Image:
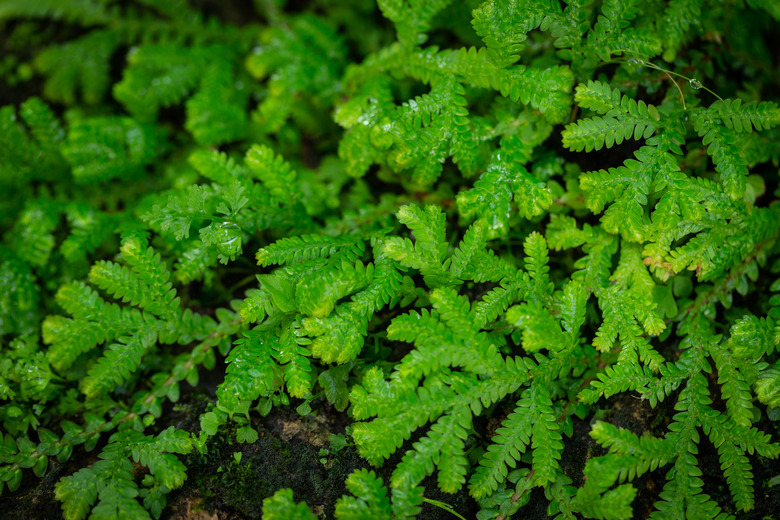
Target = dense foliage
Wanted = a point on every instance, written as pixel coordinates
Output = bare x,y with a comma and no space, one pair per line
428,214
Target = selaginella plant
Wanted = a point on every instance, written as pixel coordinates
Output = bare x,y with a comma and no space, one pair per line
504,211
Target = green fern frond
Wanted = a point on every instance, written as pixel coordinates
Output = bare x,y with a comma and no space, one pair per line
216,166
275,173
339,336
196,263
88,230
302,60
623,118
103,148
628,186
734,389
216,114
118,364
411,17
294,250
95,321
519,83
491,197
545,431
281,506
503,26
109,484
18,304
616,379
678,26
144,284
32,236
744,118
82,12
498,300
446,338
503,183
443,447
30,144
81,65
650,453
536,265
370,500
430,246
767,386
250,373
161,75
718,126
506,447
317,293
752,338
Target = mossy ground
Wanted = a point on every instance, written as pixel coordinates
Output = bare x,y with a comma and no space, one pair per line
287,455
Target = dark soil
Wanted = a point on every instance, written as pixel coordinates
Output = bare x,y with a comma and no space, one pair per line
287,455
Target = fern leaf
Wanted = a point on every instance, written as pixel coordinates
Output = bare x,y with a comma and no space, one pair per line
32,235
650,452
294,250
281,506
18,303
473,241
370,500
623,118
89,229
79,65
145,284
545,430
30,147
216,114
296,367
216,166
495,302
752,338
104,148
339,336
275,173
119,363
536,265
428,228
521,83
744,118
411,18
195,263
442,447
734,388
768,387
77,492
430,247
159,76
83,12
616,379
303,60
505,449
316,294
157,453
502,184
572,305
251,372
678,17
491,197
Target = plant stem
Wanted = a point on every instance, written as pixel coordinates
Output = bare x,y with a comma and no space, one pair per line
444,506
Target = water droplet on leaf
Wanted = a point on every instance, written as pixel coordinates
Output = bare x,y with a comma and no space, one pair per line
695,84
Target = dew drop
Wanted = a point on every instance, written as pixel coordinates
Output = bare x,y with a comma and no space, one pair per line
695,84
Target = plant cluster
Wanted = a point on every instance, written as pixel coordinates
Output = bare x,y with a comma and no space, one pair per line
429,217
